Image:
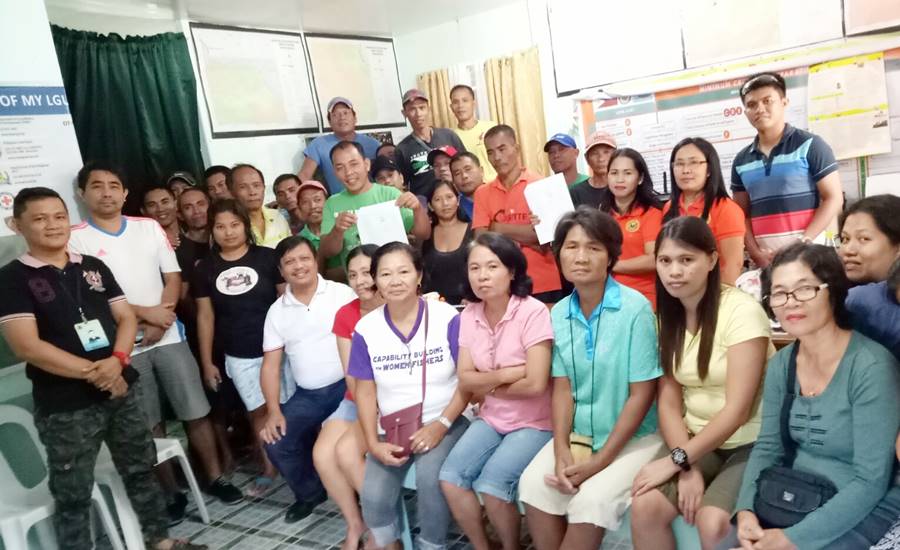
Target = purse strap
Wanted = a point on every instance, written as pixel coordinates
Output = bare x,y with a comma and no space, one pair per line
790,449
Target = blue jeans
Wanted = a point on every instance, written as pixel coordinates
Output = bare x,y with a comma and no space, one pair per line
490,462
381,494
292,454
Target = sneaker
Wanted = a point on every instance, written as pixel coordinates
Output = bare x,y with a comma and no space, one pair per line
225,491
176,508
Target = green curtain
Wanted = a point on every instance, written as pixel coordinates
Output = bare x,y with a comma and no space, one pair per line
133,101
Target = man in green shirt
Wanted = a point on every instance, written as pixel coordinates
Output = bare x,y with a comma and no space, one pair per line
562,154
339,233
311,197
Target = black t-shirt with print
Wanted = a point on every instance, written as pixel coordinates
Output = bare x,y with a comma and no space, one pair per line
411,157
241,292
32,289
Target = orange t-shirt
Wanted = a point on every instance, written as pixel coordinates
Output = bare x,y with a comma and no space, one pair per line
726,219
639,227
495,203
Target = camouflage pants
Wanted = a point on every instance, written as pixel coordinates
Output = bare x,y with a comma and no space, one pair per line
73,441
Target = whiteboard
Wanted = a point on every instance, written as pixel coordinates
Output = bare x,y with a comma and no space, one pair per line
254,82
599,42
870,15
362,69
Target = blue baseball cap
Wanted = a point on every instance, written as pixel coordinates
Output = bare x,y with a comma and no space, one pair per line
563,139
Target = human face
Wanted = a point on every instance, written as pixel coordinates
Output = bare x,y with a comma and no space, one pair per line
286,194
561,158
442,168
44,224
386,151
623,178
444,203
217,188
228,231
192,209
467,175
342,119
503,153
684,270
764,108
160,205
298,267
690,169
598,159
311,203
867,253
463,105
359,277
104,194
418,113
352,169
391,178
800,318
488,276
397,278
248,188
584,260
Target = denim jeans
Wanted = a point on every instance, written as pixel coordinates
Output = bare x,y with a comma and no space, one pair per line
304,413
381,494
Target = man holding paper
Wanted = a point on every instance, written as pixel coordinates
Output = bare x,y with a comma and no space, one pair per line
500,206
339,231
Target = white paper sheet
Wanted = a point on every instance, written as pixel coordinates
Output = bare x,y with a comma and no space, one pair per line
380,224
548,199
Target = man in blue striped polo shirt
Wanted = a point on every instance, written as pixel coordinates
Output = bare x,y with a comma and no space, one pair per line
787,180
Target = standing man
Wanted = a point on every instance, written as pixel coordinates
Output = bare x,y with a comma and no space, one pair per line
600,147
247,185
159,204
562,154
469,129
216,178
787,180
192,205
144,264
500,206
468,176
285,189
412,151
342,119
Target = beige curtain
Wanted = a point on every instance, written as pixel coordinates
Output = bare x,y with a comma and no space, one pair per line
515,98
436,86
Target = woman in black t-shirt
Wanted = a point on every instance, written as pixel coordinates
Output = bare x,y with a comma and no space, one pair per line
234,287
445,252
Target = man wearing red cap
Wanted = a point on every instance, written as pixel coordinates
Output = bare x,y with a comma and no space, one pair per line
439,159
310,202
600,147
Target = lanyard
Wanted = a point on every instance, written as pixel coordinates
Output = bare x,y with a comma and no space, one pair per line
596,340
77,298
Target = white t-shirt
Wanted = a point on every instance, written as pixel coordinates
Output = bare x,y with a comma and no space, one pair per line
138,254
304,331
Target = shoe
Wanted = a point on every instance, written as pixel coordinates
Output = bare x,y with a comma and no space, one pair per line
187,545
176,509
303,508
225,491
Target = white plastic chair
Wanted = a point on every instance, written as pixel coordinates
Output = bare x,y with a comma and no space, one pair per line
22,507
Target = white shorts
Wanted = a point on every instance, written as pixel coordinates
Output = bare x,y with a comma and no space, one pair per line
245,375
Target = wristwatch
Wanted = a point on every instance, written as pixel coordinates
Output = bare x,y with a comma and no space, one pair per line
680,458
124,358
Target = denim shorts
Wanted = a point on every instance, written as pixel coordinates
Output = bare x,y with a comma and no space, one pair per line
346,411
490,462
245,375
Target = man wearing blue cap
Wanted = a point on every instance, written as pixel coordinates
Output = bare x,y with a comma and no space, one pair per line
562,154
342,119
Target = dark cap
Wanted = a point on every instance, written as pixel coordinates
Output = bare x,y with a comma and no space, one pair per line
186,177
382,163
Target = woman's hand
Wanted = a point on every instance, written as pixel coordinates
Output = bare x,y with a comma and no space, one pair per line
558,480
748,529
774,539
384,453
690,493
427,437
653,475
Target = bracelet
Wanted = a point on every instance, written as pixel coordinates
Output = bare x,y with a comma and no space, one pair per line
445,421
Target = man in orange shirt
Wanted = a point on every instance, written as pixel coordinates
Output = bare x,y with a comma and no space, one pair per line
500,206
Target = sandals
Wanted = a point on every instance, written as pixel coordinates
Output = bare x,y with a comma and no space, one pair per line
261,487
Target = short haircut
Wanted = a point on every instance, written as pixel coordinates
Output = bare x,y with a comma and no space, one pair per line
156,187
201,190
893,278
289,243
414,255
762,80
84,175
463,87
885,211
465,155
282,178
345,145
382,146
825,264
510,255
367,250
31,194
599,226
500,129
216,169
229,177
233,207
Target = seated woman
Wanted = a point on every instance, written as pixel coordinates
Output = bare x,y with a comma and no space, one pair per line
844,416
505,338
400,351
444,254
713,346
605,366
699,190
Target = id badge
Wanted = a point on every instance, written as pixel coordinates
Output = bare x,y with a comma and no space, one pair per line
91,335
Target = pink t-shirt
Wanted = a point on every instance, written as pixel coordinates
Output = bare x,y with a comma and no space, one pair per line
526,323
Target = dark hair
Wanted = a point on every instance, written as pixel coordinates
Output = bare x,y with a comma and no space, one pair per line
463,87
644,195
344,145
216,169
714,186
695,233
762,80
893,278
500,129
383,145
599,226
229,177
30,194
884,209
289,243
465,155
100,166
367,250
396,246
156,187
460,215
825,264
190,189
233,207
510,255
282,178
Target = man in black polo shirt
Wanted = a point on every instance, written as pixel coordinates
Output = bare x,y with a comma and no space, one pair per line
66,316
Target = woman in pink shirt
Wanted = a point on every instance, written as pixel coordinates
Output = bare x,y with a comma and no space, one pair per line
505,340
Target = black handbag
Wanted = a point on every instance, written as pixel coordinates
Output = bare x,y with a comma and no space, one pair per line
784,496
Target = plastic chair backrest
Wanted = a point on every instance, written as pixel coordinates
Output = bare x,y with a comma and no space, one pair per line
14,491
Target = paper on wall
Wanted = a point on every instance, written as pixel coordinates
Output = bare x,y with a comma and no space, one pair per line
380,224
548,199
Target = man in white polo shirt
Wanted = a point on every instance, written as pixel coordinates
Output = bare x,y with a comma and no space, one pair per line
143,261
298,326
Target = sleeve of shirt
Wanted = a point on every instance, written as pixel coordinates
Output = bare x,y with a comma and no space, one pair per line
737,184
272,338
466,329
342,326
481,215
312,151
327,217
273,266
557,366
114,292
360,365
453,337
746,320
200,283
16,302
651,224
821,159
168,263
537,327
729,219
643,359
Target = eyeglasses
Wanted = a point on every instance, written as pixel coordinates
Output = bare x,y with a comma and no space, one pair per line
800,294
690,165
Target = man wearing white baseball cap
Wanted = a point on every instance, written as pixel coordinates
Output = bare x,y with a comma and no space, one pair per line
600,146
342,118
